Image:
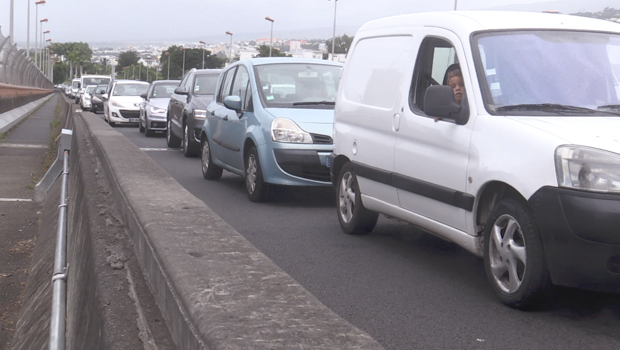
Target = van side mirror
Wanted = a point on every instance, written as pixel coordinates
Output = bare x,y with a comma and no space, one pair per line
143,95
104,97
439,102
233,102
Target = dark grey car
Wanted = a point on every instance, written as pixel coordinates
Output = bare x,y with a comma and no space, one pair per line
187,109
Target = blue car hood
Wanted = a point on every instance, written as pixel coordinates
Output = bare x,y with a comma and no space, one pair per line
304,117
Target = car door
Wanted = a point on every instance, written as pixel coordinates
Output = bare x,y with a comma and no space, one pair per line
431,155
216,115
176,105
233,124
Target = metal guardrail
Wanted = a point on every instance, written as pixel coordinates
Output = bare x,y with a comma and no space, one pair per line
57,340
17,69
59,280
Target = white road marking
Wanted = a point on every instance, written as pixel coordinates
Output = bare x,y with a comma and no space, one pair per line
15,200
18,145
157,149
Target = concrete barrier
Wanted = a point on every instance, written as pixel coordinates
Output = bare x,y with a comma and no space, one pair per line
214,289
11,118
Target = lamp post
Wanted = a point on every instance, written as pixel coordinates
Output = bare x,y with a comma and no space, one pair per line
47,57
230,47
271,37
183,69
334,34
12,10
42,45
203,53
455,4
168,54
36,31
41,36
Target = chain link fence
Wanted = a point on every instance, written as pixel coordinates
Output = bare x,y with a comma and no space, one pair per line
21,81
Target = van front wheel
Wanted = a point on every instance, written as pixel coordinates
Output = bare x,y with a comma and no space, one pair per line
353,217
513,255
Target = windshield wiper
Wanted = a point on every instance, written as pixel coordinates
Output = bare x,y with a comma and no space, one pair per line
314,103
609,108
545,107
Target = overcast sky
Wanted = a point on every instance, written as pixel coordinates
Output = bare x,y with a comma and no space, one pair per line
169,20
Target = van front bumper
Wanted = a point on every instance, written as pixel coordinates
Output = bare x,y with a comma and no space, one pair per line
581,237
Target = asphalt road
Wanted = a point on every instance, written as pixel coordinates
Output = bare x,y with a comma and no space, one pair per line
406,288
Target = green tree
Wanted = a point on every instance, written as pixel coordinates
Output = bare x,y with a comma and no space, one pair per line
181,60
61,72
343,43
263,51
126,59
77,54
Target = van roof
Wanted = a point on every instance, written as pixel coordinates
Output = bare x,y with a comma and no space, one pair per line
473,21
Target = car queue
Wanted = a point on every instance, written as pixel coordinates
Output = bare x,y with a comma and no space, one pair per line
502,171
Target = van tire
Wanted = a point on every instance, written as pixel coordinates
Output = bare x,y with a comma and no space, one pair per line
353,217
514,259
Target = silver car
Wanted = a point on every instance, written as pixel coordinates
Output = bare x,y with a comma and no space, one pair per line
153,109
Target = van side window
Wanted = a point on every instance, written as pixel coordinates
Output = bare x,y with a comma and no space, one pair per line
377,65
435,58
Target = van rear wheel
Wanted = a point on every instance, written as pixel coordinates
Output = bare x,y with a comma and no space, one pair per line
353,217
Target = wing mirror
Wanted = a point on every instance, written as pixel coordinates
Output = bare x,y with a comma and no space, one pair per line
181,91
439,102
233,102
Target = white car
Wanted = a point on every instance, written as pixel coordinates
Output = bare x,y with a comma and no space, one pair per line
524,171
85,101
122,101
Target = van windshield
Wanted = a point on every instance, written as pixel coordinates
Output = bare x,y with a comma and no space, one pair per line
549,72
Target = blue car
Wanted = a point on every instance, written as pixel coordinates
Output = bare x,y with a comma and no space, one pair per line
271,121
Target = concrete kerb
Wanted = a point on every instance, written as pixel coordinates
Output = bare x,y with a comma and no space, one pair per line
13,117
214,288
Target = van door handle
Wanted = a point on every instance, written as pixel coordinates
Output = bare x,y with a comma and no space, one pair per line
396,122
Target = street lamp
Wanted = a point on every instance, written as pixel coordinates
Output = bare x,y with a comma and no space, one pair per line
230,47
168,54
47,57
36,31
204,49
41,36
455,4
271,37
42,44
334,34
12,11
183,69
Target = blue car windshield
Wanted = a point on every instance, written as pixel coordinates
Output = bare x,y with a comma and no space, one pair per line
549,72
298,85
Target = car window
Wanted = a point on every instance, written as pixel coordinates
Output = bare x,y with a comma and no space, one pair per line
130,89
163,90
289,85
241,86
436,59
205,84
226,85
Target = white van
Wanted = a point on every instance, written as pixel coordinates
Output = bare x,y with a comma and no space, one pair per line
75,87
524,172
90,79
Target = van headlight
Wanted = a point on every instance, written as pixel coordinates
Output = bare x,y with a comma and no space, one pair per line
589,169
285,130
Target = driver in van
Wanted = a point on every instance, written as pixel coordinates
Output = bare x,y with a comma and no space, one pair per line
455,81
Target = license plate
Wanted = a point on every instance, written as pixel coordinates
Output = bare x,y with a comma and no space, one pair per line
133,120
